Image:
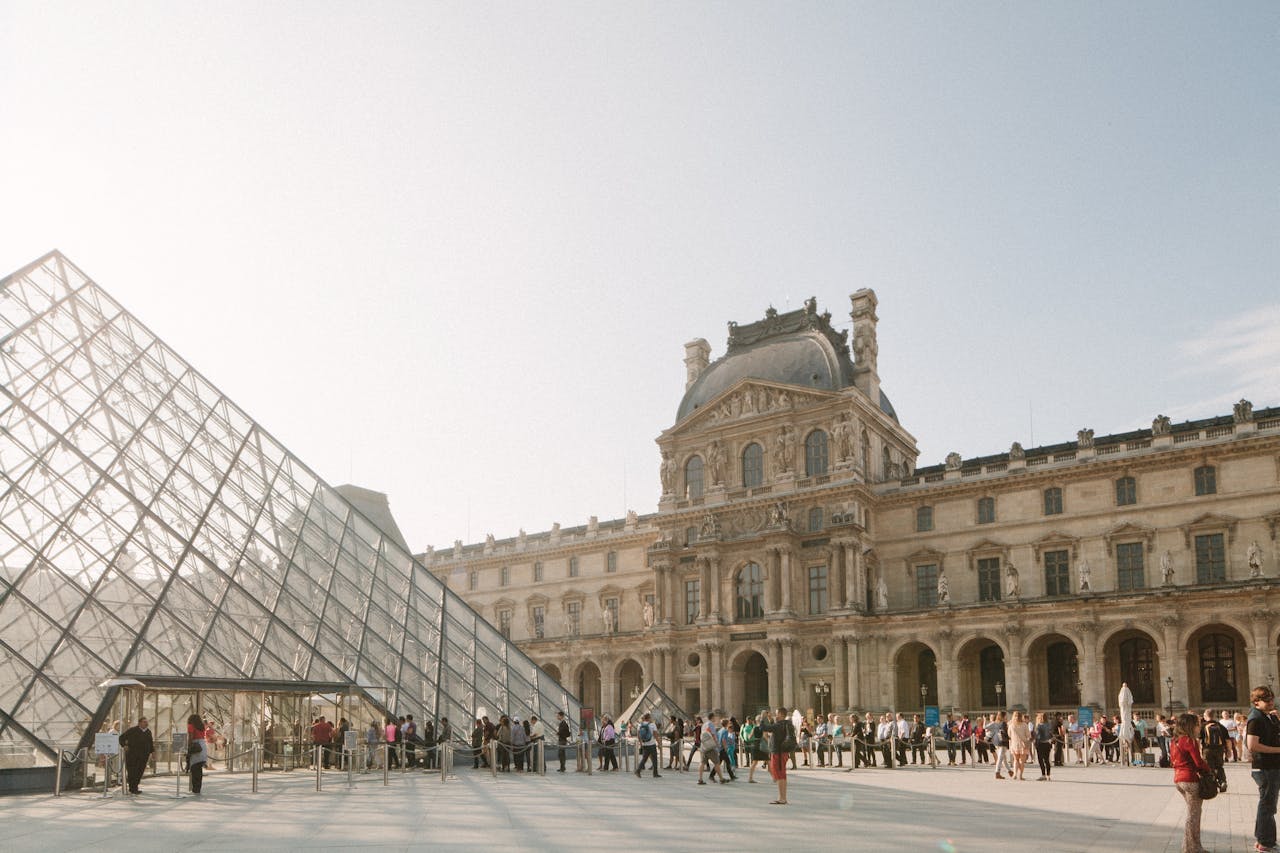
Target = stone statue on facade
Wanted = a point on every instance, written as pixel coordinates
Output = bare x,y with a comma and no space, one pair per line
1012,584
882,594
457,547
1166,568
489,543
715,461
1085,572
778,514
710,527
522,538
646,613
842,437
632,519
1161,425
1242,412
784,450
609,620
944,589
1255,560
668,472
953,461
1016,451
1084,438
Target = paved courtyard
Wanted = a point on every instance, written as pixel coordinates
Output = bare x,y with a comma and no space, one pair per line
948,809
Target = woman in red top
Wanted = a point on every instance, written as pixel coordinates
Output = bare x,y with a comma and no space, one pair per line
1184,754
197,751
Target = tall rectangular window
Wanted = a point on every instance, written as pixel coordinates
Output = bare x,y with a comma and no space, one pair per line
924,519
574,610
504,623
537,571
989,579
986,510
1053,501
539,622
1057,573
573,567
927,585
1206,480
817,590
1130,571
473,581
692,595
611,562
611,604
1126,491
1211,559
504,576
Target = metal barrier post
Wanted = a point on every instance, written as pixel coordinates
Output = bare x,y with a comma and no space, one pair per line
386,764
316,752
442,758
493,759
400,757
351,768
257,762
586,745
57,776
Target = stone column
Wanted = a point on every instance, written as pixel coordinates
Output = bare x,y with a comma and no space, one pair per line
946,666
787,650
839,590
1016,689
839,682
857,564
770,596
704,676
1260,661
784,576
666,594
1092,674
775,673
609,693
713,570
854,673
717,676
669,672
1172,662
704,597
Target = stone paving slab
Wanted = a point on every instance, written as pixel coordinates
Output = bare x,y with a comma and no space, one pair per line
953,810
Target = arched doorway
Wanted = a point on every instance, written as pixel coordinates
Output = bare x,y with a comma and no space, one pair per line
587,685
981,671
755,684
1130,658
1053,674
917,667
630,683
1217,667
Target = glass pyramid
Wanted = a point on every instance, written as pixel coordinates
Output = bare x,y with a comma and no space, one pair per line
149,527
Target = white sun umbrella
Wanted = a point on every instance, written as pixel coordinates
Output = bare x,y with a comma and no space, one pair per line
1126,714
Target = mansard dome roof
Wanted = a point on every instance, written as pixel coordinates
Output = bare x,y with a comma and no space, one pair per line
796,348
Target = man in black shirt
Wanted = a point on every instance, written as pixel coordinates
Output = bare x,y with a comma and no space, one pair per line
562,737
1262,738
1213,740
138,746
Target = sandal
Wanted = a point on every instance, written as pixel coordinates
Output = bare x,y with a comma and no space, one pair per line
778,803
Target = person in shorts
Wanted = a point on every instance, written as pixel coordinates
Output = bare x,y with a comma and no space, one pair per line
783,734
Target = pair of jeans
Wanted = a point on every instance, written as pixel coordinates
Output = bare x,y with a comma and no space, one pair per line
1264,825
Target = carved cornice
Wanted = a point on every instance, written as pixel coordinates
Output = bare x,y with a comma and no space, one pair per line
1209,522
922,557
1056,541
1130,530
986,548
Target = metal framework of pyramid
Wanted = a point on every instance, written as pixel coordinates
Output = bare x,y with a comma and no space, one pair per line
654,700
149,527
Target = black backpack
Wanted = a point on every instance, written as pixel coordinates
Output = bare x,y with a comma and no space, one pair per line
1213,738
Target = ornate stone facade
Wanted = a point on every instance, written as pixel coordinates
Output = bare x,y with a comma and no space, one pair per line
798,556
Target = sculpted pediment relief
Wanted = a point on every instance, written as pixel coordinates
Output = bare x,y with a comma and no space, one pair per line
750,399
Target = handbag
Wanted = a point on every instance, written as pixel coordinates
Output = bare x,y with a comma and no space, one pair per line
1208,786
193,748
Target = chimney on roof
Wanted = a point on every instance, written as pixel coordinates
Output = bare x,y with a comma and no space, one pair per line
865,348
697,355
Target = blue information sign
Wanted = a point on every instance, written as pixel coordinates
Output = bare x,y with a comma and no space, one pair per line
930,715
1085,716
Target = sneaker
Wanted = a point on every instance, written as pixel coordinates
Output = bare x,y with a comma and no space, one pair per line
700,782
657,775
999,776
637,774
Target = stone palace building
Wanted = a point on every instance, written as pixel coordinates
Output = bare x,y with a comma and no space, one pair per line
800,557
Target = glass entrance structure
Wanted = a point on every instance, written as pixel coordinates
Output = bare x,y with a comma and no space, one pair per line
151,531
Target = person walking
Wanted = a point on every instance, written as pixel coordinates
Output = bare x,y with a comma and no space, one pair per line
675,735
1019,744
504,743
1262,740
647,734
1044,736
998,732
709,746
197,751
608,746
520,744
1213,742
1188,764
138,745
477,746
537,742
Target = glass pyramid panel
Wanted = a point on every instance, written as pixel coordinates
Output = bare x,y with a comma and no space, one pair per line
150,528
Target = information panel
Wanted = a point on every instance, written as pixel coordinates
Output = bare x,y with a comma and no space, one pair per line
930,715
106,743
1085,716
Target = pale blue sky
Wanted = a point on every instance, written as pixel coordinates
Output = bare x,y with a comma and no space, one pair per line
452,251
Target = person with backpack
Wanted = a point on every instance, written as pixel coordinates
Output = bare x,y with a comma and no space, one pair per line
724,737
709,746
1213,740
647,734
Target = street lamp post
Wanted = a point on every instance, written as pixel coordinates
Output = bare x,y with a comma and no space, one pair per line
1168,682
1079,692
1000,694
823,689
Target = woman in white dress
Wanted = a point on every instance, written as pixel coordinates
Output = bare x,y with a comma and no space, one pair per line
1019,743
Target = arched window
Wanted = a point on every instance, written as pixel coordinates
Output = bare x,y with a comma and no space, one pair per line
1063,671
752,466
886,463
991,671
815,453
693,477
1137,668
866,455
750,593
1217,668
